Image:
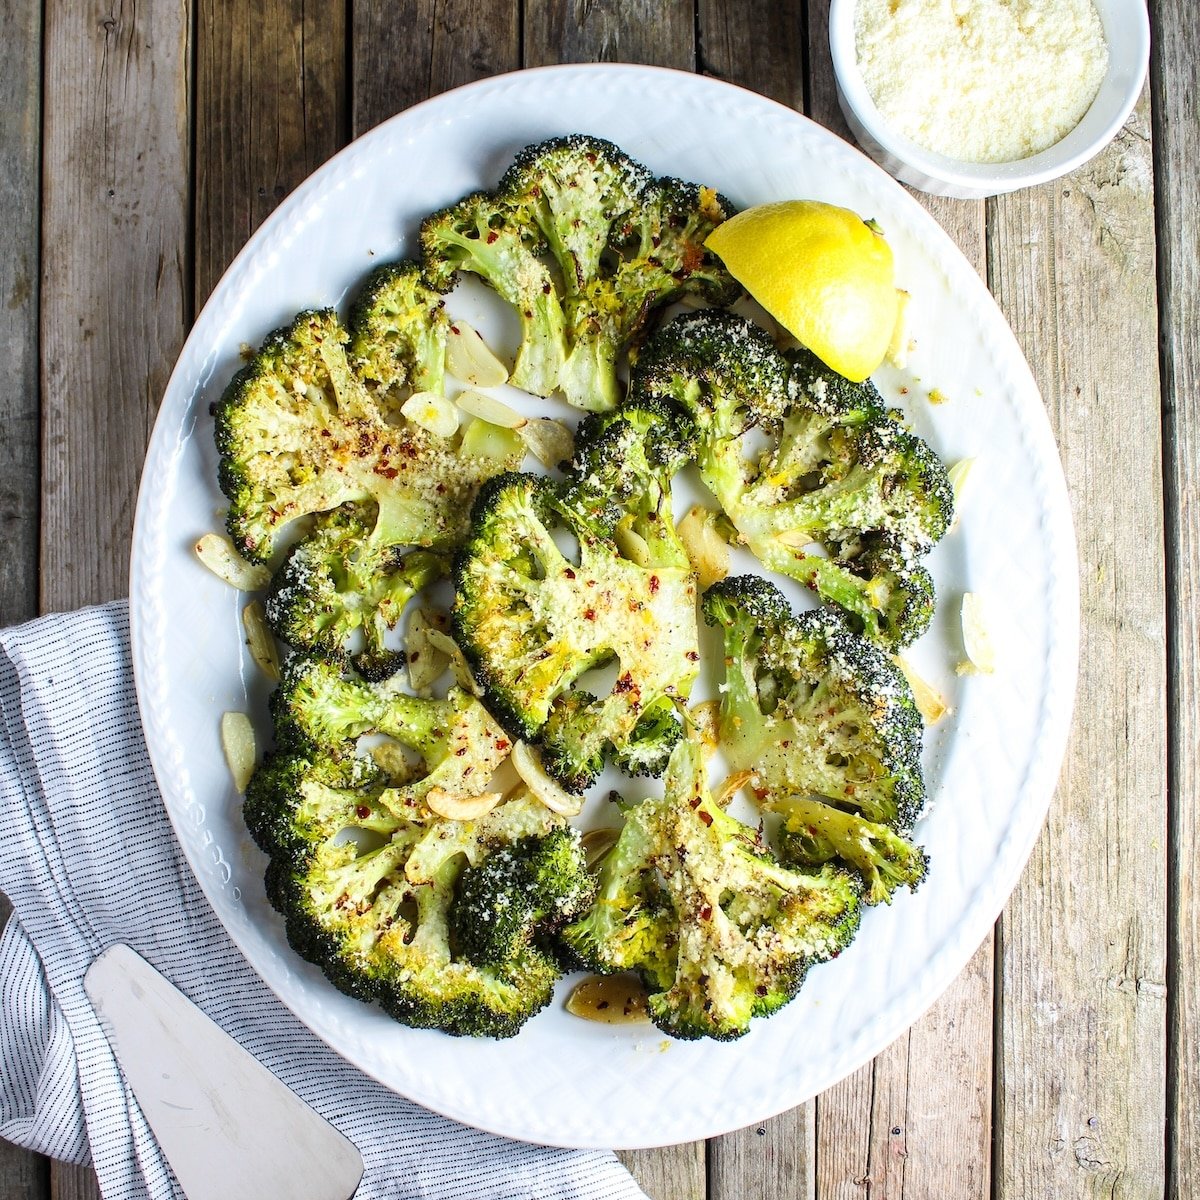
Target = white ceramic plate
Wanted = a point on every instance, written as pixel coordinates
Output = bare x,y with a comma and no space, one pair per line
991,766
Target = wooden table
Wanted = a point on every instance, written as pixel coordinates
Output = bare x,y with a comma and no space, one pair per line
141,144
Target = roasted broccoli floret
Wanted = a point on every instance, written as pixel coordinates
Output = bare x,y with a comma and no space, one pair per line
398,330
577,189
321,712
664,249
619,479
842,498
623,243
532,621
816,832
825,720
693,901
300,433
488,235
518,896
367,886
338,581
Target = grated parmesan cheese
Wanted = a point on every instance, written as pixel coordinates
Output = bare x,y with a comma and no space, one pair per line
981,80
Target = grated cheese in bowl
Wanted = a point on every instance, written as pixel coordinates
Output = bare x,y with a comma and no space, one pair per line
983,81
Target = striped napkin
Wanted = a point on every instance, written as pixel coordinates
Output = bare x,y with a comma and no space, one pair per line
88,858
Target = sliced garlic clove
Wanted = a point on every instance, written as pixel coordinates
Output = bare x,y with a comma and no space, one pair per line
431,411
488,408
977,638
259,639
240,747
469,358
459,666
461,808
549,441
609,999
425,661
705,547
632,545
217,553
549,791
931,704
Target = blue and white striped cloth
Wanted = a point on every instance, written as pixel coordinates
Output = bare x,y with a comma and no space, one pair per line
88,858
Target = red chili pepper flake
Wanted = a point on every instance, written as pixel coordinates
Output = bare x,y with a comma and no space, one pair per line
455,329
623,684
692,656
460,752
706,913
589,614
653,584
492,236
501,744
362,812
706,817
545,289
569,573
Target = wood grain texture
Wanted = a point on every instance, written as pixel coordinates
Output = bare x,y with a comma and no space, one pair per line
914,1122
756,44
114,274
1080,1085
20,142
23,1176
114,297
271,106
660,33
408,50
1176,150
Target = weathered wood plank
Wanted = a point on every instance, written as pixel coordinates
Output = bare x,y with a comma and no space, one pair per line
660,33
20,138
73,1183
914,1122
1176,148
271,106
934,1084
407,51
23,1176
1082,946
757,44
114,275
114,296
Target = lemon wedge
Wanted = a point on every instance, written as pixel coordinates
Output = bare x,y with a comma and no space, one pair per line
822,272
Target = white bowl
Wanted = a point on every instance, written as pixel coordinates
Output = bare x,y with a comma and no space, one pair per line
1127,32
